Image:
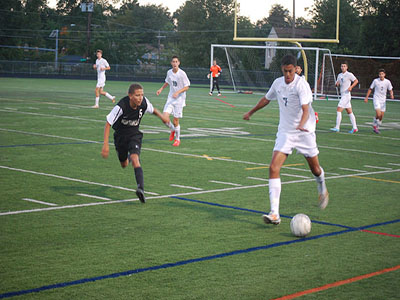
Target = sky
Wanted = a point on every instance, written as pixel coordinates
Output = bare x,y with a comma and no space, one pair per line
254,9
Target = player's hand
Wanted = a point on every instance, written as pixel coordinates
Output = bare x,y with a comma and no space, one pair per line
302,129
349,89
246,116
208,76
158,92
175,95
105,151
366,100
94,67
217,75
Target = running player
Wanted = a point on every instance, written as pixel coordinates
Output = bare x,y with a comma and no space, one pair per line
296,130
347,81
380,86
215,71
178,83
101,66
125,119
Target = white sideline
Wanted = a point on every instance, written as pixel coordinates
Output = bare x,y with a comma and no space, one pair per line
189,193
40,202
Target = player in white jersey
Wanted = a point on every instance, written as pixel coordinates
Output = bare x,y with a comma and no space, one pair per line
178,83
101,66
296,130
380,86
347,81
299,71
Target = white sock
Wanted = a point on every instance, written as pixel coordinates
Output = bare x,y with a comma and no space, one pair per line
338,119
178,132
170,126
353,120
109,96
274,194
375,122
321,186
97,101
379,122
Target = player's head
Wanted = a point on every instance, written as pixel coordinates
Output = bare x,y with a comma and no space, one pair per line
135,94
214,62
382,74
99,53
175,62
298,70
288,65
344,66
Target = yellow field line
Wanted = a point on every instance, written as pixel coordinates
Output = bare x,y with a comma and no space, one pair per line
376,179
266,167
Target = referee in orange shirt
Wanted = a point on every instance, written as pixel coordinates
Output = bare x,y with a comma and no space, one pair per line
215,71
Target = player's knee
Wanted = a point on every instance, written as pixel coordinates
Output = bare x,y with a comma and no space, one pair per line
125,163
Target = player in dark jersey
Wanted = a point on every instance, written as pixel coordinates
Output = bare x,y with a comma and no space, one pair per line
125,119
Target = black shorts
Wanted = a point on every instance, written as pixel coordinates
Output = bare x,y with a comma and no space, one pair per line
125,144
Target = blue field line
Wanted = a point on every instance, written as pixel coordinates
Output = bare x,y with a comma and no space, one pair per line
48,144
256,211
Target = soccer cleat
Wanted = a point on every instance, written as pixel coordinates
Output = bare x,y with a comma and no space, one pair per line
354,130
219,94
323,200
334,129
113,99
210,93
95,106
316,117
376,130
271,219
171,136
176,143
140,194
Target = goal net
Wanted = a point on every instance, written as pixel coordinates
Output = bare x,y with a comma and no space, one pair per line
365,68
248,69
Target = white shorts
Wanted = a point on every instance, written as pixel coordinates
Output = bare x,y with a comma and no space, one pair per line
345,100
304,142
379,104
100,83
174,108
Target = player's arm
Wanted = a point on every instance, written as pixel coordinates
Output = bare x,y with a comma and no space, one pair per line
177,93
161,89
106,68
106,149
261,104
304,117
368,93
391,94
355,82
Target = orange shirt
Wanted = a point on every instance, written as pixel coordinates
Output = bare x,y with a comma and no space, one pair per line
215,70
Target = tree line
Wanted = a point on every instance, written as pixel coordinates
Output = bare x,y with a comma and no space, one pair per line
126,30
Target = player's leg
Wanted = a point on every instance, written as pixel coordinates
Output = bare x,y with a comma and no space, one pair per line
97,99
352,120
135,144
122,150
319,174
274,186
104,93
177,132
338,119
217,86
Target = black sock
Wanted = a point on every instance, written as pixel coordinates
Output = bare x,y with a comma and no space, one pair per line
139,177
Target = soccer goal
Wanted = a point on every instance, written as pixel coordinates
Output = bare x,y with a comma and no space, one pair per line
248,69
365,68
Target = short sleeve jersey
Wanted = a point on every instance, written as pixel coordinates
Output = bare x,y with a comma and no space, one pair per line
101,63
345,80
290,99
125,120
215,70
380,88
177,81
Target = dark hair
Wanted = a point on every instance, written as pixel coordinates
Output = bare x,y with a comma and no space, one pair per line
175,56
134,87
345,63
98,50
289,60
381,70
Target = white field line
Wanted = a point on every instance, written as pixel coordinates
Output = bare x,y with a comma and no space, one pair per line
186,187
72,179
257,178
189,193
292,175
353,170
94,197
223,182
393,164
376,167
40,202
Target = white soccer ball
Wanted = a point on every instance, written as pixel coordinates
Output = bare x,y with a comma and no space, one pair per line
300,225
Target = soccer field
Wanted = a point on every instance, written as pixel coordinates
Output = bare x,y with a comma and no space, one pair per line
71,226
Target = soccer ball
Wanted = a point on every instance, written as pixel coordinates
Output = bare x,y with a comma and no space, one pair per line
300,225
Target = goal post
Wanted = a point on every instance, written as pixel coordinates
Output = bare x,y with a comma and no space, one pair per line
254,68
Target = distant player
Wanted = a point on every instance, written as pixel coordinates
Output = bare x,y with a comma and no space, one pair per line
101,66
296,130
299,71
178,83
215,71
347,81
125,119
380,86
